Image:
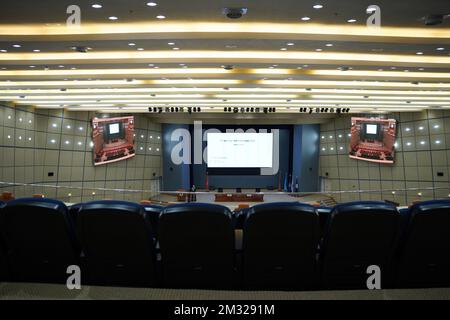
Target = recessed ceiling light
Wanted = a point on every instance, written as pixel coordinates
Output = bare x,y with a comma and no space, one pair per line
329,45
306,18
3,50
131,44
171,43
317,6
176,48
283,49
36,50
151,65
419,53
113,18
440,49
160,17
140,49
17,46
319,49
421,69
152,4
351,20
290,44
182,64
32,66
96,6
61,66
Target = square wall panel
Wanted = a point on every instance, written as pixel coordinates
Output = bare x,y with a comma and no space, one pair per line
9,119
51,157
436,126
41,123
54,125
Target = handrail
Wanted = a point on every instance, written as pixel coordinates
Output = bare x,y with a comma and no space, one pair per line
393,191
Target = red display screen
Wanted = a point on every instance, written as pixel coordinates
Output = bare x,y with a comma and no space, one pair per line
373,139
113,139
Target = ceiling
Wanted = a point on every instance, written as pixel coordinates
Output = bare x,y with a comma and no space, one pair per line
283,54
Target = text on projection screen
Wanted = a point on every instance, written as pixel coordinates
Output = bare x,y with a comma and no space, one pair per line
239,150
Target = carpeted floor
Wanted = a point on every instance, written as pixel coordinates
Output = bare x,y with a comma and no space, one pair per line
15,291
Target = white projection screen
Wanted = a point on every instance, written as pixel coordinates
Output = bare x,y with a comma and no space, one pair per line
239,150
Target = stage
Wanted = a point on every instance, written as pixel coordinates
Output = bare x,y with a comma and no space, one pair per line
268,196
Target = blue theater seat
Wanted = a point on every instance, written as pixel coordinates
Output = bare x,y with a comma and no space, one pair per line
3,264
197,246
153,211
357,235
324,215
73,211
424,252
117,241
40,240
280,246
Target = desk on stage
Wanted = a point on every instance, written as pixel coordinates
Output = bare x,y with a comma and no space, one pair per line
238,197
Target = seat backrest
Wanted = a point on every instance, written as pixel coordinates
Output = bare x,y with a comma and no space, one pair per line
358,235
117,241
280,245
197,246
153,211
423,259
3,264
40,239
324,215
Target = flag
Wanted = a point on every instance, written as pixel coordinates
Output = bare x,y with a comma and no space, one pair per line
285,189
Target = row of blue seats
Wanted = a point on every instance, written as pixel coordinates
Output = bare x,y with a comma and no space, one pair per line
192,245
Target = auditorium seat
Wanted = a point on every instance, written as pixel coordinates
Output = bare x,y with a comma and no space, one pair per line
357,235
40,239
197,246
153,211
73,212
324,215
3,264
116,237
280,246
424,259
